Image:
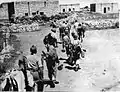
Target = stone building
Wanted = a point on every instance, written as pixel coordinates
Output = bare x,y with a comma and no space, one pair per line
4,11
69,7
28,8
48,7
104,7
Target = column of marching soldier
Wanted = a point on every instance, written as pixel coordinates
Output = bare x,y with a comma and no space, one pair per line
71,36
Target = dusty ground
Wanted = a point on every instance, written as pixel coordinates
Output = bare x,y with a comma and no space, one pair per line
99,69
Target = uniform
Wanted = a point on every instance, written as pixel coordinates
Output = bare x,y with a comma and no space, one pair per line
54,37
51,61
35,65
66,42
50,39
76,50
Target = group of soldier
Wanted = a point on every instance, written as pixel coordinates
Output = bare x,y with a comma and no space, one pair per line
71,36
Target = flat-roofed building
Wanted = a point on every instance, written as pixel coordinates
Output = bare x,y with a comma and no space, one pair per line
104,7
28,8
69,7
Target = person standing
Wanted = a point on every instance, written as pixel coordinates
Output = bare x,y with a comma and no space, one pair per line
35,64
51,62
54,36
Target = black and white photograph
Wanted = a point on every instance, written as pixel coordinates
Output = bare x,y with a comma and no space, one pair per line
59,45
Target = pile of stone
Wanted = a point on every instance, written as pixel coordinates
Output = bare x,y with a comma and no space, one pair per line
18,28
30,19
96,16
102,24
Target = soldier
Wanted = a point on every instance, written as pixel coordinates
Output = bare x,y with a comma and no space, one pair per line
51,62
35,64
66,42
76,24
51,38
62,30
76,49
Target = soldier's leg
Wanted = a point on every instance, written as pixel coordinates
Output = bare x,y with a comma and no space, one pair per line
40,86
40,71
50,73
83,33
54,72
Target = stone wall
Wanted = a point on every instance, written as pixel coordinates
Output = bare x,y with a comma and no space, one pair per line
3,11
49,7
20,8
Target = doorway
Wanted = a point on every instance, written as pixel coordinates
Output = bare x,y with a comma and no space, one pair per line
63,10
11,11
105,10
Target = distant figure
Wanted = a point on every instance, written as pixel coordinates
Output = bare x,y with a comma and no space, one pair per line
66,43
76,24
81,32
53,24
62,30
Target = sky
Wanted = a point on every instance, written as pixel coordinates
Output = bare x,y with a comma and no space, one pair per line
82,2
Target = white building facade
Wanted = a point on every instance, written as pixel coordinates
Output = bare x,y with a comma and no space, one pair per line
69,7
104,7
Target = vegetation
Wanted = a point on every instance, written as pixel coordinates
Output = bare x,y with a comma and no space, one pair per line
9,62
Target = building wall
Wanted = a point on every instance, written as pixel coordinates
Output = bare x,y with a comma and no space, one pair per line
49,8
21,8
72,7
110,7
4,11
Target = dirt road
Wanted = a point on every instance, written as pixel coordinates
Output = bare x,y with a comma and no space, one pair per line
99,69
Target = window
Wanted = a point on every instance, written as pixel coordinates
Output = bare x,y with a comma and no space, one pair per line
26,14
104,9
108,8
41,13
69,9
63,10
